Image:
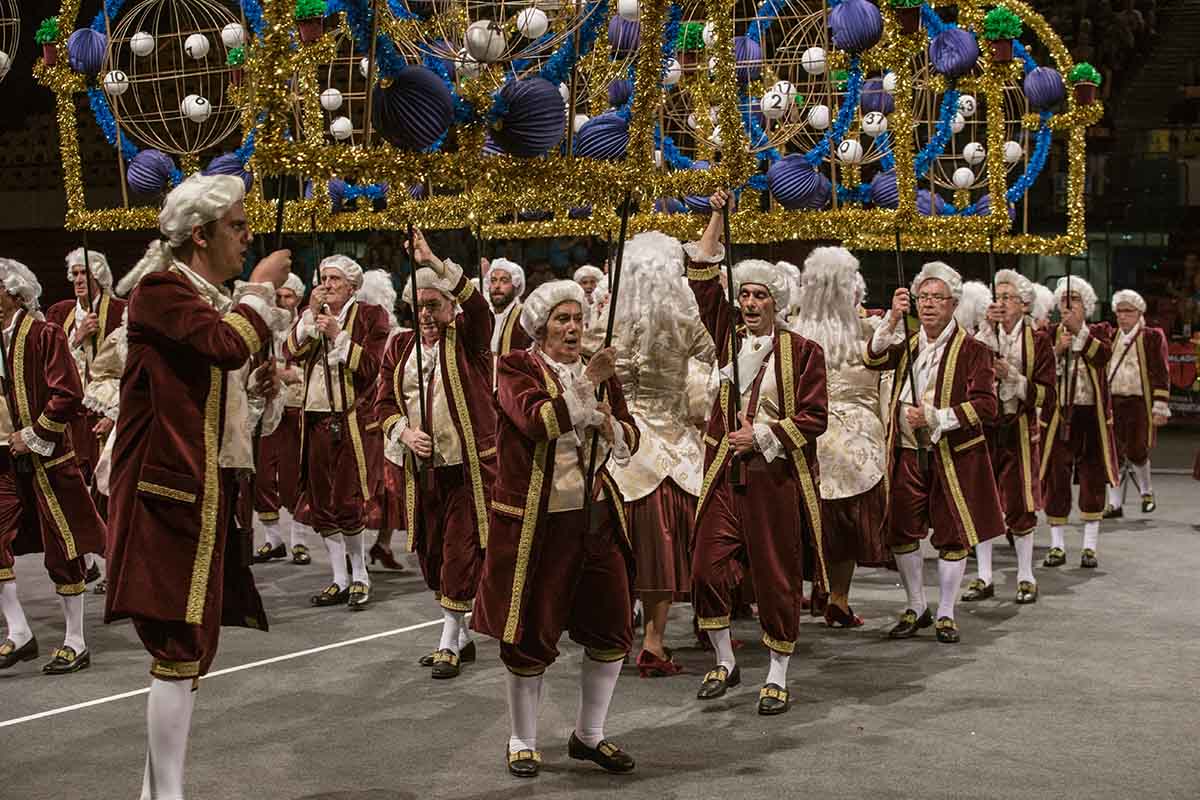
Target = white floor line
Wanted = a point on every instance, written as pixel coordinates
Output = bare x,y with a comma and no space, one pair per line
227,671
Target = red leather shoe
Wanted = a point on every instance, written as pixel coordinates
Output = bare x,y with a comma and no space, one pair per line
384,554
651,666
836,618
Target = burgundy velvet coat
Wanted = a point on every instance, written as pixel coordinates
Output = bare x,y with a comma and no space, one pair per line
513,335
966,383
466,368
1097,352
532,415
1151,347
168,499
48,397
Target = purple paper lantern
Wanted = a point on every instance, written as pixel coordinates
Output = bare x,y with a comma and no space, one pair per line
534,215
669,205
535,119
149,172
604,136
337,194
954,52
856,25
623,36
930,204
85,51
747,53
580,212
883,192
1044,88
796,185
619,92
415,110
983,208
230,164
874,98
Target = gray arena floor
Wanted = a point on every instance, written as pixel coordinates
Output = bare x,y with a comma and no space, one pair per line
1090,693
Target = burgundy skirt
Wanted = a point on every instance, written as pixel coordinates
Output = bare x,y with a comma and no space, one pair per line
660,525
853,528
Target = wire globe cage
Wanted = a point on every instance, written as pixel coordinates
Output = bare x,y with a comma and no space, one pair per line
10,34
167,76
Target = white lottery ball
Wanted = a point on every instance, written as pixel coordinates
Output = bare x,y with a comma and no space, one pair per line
889,82
331,99
957,123
196,46
963,178
775,104
485,41
364,66
1013,152
629,10
818,117
966,105
341,128
674,73
196,108
813,61
141,43
580,120
233,35
785,87
850,151
709,34
116,83
874,124
532,23
691,121
5,63
467,67
974,153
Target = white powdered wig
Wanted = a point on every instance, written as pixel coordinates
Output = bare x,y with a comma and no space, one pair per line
378,290
763,273
514,271
349,268
972,308
1023,285
428,279
295,283
1128,296
651,251
197,201
944,273
20,282
652,283
535,313
588,271
829,306
1042,304
860,289
1087,295
791,274
97,264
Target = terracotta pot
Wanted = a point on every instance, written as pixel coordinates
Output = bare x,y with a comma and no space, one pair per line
909,18
50,54
311,29
1002,50
235,76
1085,93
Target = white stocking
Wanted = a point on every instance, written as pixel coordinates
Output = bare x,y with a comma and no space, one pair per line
524,696
1024,546
597,680
1141,472
452,623
777,672
336,548
72,608
299,530
983,560
1056,538
950,576
356,546
1091,535
912,569
722,644
14,614
168,722
271,528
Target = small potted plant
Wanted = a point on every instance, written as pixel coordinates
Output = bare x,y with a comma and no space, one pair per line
310,19
235,60
908,14
1085,80
1000,27
47,37
689,42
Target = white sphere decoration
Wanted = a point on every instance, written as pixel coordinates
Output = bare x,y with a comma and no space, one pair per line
579,121
889,82
957,123
467,67
674,73
813,61
341,128
974,153
5,63
818,117
629,10
141,43
485,41
564,92
196,108
691,121
233,35
364,66
874,124
967,105
775,103
963,178
850,151
331,99
712,63
709,34
116,83
532,23
1013,152
196,46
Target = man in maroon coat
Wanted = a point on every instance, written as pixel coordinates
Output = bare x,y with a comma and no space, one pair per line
184,432
446,424
44,504
950,486
504,281
558,560
755,522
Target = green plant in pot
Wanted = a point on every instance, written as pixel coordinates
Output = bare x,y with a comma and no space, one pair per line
908,15
47,37
310,19
1000,27
1085,81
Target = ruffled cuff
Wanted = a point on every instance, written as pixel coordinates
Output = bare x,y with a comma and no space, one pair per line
306,328
883,339
452,272
36,443
1013,387
1160,409
693,253
766,442
620,448
394,448
261,298
103,397
941,421
340,350
581,406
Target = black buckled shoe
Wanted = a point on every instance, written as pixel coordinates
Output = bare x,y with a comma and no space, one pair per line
267,553
331,595
101,587
1027,592
1056,557
360,595
446,664
300,555
718,681
947,630
10,654
978,590
606,754
465,656
66,660
1148,504
910,623
92,575
1113,513
773,699
525,763
1087,559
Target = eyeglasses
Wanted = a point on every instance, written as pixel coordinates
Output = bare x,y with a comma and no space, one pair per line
932,298
1008,298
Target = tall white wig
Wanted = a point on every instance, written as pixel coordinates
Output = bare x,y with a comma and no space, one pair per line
20,282
378,290
1023,285
514,271
652,283
535,313
97,264
972,307
295,284
1131,297
829,307
1080,287
350,269
791,274
1043,303
942,272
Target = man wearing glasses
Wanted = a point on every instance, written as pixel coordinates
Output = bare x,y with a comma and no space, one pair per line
939,405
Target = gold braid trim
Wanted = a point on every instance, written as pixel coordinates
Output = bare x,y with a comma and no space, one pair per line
948,468
813,504
410,498
7,574
958,448
1091,516
455,605
70,589
704,273
793,432
787,386
175,670
202,565
786,648
615,494
469,444
713,623
1026,462
718,461
953,555
1110,468
1147,394
870,360
504,508
386,425
1093,347
467,290
605,656
902,549
972,415
550,419
65,457
51,425
172,494
244,329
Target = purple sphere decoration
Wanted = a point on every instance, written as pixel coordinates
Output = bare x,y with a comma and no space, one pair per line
1044,88
415,111
983,207
417,191
230,164
929,204
604,136
337,194
535,120
874,98
954,52
580,212
149,172
490,148
883,192
619,92
534,215
748,55
85,51
623,36
669,205
856,25
796,185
